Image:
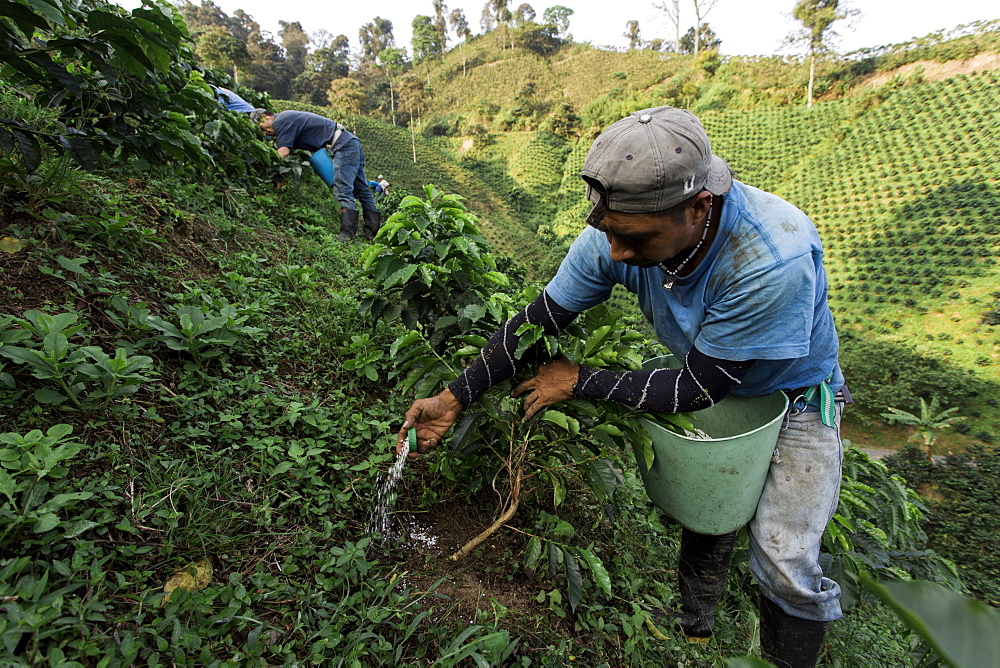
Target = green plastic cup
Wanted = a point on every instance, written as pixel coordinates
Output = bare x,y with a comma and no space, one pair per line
712,486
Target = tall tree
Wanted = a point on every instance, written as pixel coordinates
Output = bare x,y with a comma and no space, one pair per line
706,37
392,61
558,16
523,14
461,28
427,41
441,20
320,39
242,25
501,13
672,10
332,57
632,34
267,63
220,41
500,10
375,37
816,17
323,66
487,21
347,95
217,48
701,10
295,42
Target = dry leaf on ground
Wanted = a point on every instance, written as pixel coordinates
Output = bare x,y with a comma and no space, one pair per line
195,576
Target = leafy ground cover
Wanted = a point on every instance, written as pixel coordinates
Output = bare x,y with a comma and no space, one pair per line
243,460
199,388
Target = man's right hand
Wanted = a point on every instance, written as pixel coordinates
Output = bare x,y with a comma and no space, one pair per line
432,418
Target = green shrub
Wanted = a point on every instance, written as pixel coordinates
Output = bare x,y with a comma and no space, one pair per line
963,520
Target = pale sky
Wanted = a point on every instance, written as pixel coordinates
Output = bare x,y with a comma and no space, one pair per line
746,27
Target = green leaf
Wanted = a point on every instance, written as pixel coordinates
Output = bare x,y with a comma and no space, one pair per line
961,630
556,417
51,10
50,397
595,340
81,150
564,529
558,489
603,478
59,431
533,553
555,559
574,576
464,429
400,276
31,150
597,569
8,486
74,265
46,522
643,446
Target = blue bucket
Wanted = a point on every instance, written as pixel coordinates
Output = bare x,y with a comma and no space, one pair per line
322,164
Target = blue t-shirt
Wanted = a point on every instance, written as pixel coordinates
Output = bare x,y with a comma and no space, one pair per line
759,294
231,100
305,130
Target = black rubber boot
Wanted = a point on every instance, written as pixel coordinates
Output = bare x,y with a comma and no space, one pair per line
701,575
373,221
348,224
786,641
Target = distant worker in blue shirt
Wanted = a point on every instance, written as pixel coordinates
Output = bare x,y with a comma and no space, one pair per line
231,100
732,280
337,157
377,190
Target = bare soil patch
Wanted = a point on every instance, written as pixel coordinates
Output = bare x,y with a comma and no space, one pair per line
486,585
935,71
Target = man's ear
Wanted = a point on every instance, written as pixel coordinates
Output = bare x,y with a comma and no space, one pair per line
700,207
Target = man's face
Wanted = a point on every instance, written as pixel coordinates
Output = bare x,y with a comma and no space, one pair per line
646,239
267,124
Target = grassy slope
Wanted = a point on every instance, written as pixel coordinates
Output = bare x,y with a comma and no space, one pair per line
908,219
389,151
575,73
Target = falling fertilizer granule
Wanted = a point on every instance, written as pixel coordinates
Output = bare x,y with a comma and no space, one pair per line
385,490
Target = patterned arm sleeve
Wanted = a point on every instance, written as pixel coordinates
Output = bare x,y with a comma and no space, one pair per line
701,383
496,362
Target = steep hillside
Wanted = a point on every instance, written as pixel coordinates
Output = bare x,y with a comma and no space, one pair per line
901,179
902,183
201,385
389,150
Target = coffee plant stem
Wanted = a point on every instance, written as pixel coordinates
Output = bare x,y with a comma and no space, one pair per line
512,502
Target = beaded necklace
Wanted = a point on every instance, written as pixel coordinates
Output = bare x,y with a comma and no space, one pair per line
671,276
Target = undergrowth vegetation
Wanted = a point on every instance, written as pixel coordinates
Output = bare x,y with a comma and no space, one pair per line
242,447
200,386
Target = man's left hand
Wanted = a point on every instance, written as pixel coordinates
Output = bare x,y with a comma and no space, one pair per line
553,382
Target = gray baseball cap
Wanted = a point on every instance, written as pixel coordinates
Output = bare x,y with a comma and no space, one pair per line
256,114
652,160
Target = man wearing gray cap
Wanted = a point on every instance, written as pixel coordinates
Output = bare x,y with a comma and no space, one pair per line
732,280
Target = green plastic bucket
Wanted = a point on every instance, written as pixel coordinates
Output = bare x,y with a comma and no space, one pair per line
712,485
